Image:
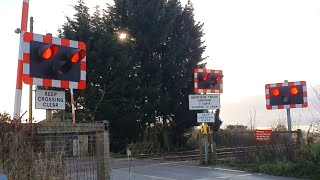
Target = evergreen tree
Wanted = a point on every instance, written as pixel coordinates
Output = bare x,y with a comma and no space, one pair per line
143,82
168,47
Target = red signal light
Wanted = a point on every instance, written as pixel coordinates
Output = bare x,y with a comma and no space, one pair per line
75,58
275,92
76,55
206,78
47,54
294,91
48,51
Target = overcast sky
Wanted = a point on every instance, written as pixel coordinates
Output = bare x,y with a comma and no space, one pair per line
254,42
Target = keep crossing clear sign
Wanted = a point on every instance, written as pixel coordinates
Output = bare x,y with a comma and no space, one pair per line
50,99
205,117
205,101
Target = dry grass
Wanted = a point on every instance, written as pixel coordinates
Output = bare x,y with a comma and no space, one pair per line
22,156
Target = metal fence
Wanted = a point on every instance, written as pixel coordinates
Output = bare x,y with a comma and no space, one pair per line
55,151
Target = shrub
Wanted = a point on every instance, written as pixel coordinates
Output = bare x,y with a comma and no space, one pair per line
20,156
310,153
279,161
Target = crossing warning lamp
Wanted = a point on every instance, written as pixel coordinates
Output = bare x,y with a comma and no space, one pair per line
208,81
47,51
275,92
54,62
286,95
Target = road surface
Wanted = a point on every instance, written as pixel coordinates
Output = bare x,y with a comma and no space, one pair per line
151,170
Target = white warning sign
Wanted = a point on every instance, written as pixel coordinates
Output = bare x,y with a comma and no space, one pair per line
205,117
49,99
205,101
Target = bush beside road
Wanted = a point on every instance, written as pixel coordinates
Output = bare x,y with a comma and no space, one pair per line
305,164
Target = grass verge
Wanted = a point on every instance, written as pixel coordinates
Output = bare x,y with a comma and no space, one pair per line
300,169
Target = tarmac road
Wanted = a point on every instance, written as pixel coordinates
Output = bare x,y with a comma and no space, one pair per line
153,170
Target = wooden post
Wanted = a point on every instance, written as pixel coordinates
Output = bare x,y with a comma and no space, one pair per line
214,152
102,149
299,137
213,149
210,145
206,149
298,144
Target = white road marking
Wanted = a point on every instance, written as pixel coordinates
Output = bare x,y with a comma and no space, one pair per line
223,177
232,170
164,163
144,175
239,175
191,166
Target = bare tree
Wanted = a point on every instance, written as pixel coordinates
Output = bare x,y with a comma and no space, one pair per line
280,123
314,109
252,118
96,108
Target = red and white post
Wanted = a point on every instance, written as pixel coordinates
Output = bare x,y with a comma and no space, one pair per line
18,93
72,107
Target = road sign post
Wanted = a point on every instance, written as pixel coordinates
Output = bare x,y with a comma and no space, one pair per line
206,149
72,106
206,81
204,132
289,121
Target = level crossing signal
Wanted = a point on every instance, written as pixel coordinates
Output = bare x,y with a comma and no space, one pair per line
208,81
286,95
54,62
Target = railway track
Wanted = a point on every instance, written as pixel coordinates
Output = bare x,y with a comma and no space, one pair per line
195,154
